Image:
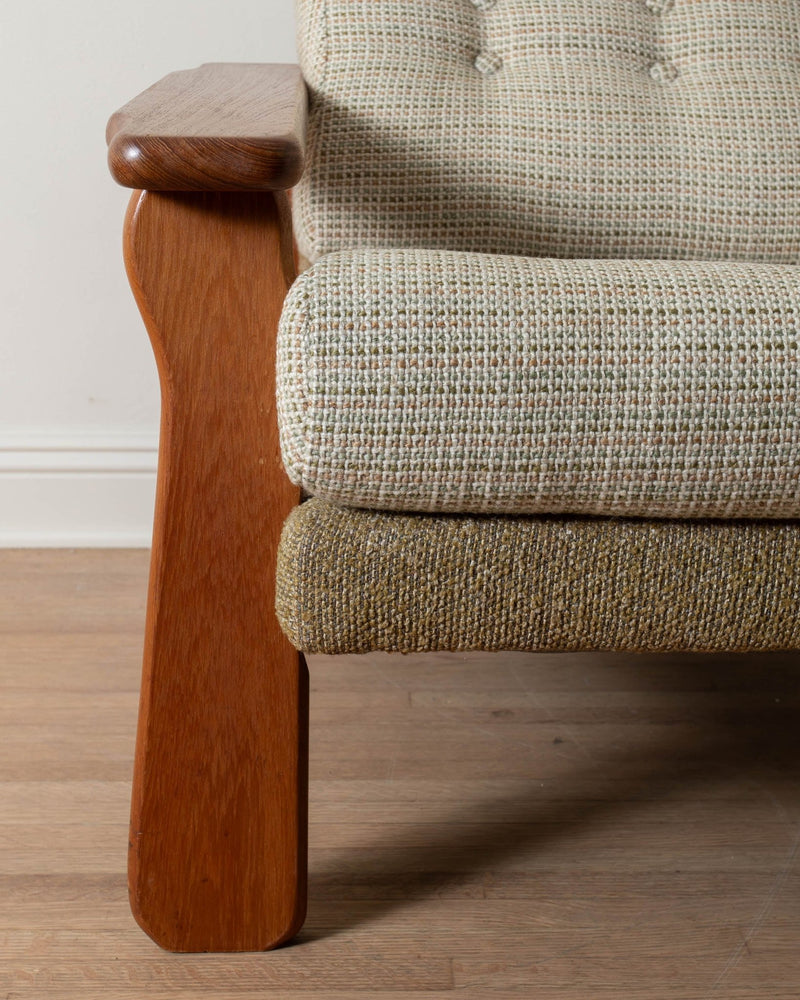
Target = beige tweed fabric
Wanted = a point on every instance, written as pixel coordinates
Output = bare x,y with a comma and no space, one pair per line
443,381
565,128
357,581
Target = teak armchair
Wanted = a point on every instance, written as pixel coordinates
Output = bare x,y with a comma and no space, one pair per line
540,380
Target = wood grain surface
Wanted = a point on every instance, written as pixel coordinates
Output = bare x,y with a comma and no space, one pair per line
218,827
499,826
220,127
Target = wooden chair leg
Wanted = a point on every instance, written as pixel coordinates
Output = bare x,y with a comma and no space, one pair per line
218,829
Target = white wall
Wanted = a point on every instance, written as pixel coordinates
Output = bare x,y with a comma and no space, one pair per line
78,388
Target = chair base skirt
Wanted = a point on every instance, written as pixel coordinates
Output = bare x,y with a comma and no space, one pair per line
354,581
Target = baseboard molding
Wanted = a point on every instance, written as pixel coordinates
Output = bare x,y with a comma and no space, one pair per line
76,489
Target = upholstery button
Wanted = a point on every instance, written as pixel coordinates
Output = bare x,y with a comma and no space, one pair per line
663,71
488,63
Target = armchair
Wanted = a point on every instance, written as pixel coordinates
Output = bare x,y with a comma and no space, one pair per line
540,381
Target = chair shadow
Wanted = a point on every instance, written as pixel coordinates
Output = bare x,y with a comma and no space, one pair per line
733,739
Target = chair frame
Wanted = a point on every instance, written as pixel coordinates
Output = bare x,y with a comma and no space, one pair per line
218,839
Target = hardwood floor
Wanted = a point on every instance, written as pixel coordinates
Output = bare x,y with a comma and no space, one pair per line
481,826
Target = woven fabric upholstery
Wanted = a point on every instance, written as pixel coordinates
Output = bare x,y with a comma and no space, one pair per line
442,381
356,581
621,128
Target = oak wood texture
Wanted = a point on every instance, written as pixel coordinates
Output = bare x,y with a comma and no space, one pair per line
220,127
633,835
218,827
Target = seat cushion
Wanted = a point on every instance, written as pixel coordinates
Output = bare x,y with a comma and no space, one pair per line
444,381
354,581
565,128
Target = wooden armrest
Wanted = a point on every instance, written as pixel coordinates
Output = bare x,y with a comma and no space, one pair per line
220,127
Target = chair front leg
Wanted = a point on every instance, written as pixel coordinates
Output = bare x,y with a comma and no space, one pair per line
218,825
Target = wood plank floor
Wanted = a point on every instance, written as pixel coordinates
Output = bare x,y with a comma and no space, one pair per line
503,826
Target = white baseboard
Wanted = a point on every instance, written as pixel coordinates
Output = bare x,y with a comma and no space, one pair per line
76,489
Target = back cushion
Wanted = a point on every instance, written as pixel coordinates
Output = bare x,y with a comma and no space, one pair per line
566,128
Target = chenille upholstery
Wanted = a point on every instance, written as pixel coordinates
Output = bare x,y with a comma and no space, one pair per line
554,253
414,582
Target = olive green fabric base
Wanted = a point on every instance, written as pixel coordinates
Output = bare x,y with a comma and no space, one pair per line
353,581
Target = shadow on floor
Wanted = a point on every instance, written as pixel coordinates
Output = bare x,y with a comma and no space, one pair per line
749,737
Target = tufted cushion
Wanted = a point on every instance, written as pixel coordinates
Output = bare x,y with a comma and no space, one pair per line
353,581
445,381
577,128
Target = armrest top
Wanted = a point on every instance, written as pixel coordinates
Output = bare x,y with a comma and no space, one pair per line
220,127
